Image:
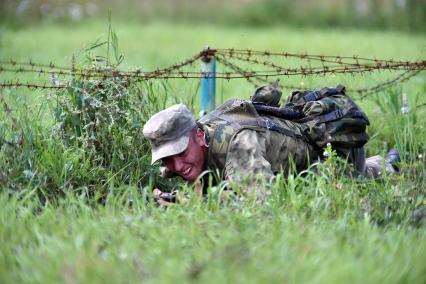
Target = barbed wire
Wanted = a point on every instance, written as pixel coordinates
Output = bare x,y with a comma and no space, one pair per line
232,59
99,72
319,57
420,105
363,92
405,76
169,72
30,85
232,52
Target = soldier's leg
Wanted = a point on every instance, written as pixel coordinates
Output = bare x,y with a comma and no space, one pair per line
376,165
372,167
357,158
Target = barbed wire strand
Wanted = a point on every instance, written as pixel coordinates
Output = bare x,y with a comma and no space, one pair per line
233,52
320,57
364,91
356,65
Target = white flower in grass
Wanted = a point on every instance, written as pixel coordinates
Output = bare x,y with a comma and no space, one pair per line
29,174
405,108
327,150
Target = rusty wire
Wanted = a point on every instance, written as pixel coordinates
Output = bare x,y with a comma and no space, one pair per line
230,58
420,105
403,77
107,72
318,57
363,92
30,85
174,72
251,80
234,53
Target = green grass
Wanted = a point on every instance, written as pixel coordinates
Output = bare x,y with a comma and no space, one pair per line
69,216
74,243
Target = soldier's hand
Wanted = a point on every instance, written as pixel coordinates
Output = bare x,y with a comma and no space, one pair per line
160,195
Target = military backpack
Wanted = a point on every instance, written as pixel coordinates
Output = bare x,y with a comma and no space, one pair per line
330,116
324,116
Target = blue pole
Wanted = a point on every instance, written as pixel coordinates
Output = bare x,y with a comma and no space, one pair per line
208,84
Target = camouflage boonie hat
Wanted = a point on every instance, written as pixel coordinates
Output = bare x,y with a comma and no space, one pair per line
269,95
168,131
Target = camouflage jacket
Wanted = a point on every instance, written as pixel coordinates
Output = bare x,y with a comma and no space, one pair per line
249,149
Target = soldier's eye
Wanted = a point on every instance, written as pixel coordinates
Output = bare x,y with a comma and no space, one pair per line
182,154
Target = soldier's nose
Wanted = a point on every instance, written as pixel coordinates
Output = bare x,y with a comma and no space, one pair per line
178,165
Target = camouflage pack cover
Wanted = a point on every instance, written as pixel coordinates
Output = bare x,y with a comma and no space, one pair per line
269,95
330,117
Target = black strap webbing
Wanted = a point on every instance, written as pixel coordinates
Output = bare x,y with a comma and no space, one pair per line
273,126
337,114
261,122
334,115
325,92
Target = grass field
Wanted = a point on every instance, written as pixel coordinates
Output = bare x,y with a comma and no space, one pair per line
68,216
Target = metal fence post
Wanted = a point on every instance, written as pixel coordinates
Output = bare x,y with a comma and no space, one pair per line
208,82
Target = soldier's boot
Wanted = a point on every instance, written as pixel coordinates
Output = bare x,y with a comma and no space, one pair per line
393,158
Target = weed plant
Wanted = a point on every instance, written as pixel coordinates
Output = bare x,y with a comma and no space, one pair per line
86,138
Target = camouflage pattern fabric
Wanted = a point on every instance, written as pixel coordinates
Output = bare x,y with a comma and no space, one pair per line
331,117
254,157
269,95
248,154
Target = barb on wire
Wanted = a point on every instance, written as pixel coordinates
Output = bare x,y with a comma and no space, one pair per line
420,105
238,70
250,79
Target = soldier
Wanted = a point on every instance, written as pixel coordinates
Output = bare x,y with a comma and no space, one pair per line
250,148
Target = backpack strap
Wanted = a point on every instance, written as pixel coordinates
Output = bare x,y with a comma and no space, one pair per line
260,123
269,124
324,92
337,114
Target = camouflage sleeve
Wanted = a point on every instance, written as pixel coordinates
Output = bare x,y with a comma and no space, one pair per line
246,165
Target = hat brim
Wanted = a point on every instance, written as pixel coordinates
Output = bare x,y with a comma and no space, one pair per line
169,148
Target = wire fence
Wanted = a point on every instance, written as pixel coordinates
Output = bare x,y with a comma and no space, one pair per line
257,67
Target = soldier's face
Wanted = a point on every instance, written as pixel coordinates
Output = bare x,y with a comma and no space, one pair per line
190,163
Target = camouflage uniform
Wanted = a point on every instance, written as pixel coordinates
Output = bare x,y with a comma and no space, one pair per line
245,151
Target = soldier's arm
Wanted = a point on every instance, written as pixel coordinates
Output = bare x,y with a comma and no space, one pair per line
246,165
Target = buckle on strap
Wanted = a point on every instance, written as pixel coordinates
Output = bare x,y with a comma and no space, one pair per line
273,126
269,124
334,115
325,92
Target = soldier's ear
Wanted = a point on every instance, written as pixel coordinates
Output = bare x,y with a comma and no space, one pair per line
200,137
